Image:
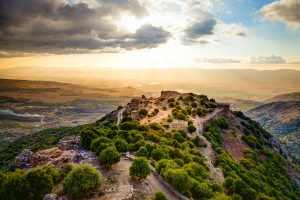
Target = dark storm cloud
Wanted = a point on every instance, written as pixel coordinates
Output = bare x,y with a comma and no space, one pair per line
54,26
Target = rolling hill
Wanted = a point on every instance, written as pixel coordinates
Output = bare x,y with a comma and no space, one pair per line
281,117
196,148
30,106
294,96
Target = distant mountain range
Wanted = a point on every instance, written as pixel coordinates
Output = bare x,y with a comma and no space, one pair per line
256,85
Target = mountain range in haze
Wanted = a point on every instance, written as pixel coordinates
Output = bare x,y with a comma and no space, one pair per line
239,83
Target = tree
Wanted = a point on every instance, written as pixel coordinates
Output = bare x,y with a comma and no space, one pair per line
169,120
160,196
121,145
194,105
191,128
100,143
142,152
140,168
179,179
50,170
158,154
143,112
14,185
39,183
201,191
181,116
81,180
86,138
109,156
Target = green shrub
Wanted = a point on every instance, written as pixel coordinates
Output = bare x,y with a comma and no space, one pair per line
169,120
236,197
216,187
155,126
143,112
130,125
194,105
82,180
160,196
142,152
177,136
188,109
181,116
51,171
39,183
121,145
100,143
86,138
179,179
196,171
14,186
140,168
171,105
65,170
201,191
191,128
228,184
109,156
158,154
171,100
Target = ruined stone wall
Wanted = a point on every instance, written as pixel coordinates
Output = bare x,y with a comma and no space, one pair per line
223,111
169,94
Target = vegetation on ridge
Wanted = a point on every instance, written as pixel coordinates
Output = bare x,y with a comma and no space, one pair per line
176,156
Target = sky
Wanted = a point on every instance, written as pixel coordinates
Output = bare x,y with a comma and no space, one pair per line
211,34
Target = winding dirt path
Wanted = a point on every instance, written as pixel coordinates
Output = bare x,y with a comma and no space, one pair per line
216,174
120,115
127,186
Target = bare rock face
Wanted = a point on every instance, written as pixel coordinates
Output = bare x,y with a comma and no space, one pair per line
69,143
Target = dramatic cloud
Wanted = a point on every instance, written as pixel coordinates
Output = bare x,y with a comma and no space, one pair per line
91,26
55,26
201,28
267,60
287,11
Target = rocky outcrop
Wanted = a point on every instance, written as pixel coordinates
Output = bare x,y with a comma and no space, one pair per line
69,143
24,158
68,151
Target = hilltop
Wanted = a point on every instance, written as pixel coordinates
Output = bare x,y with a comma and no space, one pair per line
190,146
293,96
